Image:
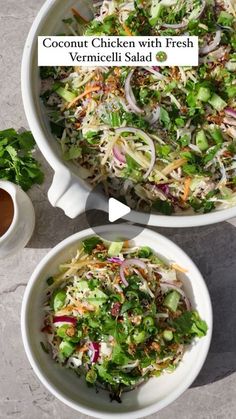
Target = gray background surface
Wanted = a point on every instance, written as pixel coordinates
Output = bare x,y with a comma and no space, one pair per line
212,248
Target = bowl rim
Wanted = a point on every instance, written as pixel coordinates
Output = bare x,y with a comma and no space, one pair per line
57,164
148,410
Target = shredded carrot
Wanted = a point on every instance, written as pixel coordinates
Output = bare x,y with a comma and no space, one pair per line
83,348
100,265
127,30
85,93
117,279
186,188
77,14
178,268
126,244
65,311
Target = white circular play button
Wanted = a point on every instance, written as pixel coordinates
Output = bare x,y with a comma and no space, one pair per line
104,210
116,210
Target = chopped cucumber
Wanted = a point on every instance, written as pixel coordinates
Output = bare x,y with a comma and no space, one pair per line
216,134
171,301
204,94
225,18
115,249
58,300
155,12
61,331
148,322
217,103
168,335
201,141
66,348
65,94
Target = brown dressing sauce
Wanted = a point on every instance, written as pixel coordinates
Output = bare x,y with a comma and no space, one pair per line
6,211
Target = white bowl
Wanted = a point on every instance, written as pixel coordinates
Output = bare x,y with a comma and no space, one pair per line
23,222
68,191
154,395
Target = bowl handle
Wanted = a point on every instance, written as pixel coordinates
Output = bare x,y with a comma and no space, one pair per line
66,193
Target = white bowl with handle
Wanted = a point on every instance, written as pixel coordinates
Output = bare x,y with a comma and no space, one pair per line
150,397
68,191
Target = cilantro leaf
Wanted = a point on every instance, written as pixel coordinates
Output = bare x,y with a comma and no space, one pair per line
189,325
164,117
119,357
164,207
90,244
17,164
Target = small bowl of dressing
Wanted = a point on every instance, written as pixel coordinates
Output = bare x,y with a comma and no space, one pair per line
17,218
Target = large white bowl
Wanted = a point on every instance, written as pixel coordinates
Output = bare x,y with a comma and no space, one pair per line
73,391
68,191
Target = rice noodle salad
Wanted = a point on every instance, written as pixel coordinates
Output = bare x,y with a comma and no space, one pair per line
118,315
160,138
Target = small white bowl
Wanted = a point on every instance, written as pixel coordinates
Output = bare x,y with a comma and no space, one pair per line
23,222
157,393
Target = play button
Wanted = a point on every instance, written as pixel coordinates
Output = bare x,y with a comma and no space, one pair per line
108,210
116,210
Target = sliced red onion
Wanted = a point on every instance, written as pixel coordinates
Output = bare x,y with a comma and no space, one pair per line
230,112
129,94
115,260
212,46
179,290
95,348
147,139
184,24
155,114
118,154
65,319
164,188
127,263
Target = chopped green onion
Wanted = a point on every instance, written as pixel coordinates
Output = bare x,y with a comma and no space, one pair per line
139,337
115,249
168,335
148,322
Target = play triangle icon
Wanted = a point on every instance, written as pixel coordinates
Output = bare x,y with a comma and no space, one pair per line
117,210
